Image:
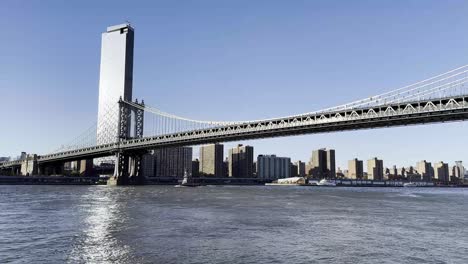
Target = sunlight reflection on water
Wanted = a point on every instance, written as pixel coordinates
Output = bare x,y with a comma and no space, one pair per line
98,243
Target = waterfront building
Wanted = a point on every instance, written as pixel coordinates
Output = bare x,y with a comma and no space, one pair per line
225,168
115,79
322,164
387,175
394,172
355,169
410,170
340,174
301,168
168,162
271,167
441,172
195,168
331,164
4,159
293,170
147,165
401,172
345,173
375,169
458,170
241,161
211,160
425,169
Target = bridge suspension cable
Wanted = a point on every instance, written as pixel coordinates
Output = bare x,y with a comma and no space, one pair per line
417,91
158,122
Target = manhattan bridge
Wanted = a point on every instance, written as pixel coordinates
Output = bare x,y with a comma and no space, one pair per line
140,127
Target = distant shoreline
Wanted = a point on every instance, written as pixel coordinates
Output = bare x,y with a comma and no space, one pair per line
65,180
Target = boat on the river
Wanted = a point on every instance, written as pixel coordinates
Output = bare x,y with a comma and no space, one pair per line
410,184
187,181
326,182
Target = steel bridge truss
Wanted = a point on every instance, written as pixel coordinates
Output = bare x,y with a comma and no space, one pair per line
398,114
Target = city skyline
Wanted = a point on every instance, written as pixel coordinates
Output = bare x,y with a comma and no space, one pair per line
370,141
275,167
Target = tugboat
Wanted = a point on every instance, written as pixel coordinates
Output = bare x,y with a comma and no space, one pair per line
187,181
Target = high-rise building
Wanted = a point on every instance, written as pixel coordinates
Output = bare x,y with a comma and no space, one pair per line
115,80
168,162
293,169
401,172
195,168
425,169
211,160
441,172
355,169
394,172
225,168
241,161
301,168
318,163
331,167
375,169
147,165
271,167
458,170
322,164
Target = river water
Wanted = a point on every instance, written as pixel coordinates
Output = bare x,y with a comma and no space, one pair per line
231,224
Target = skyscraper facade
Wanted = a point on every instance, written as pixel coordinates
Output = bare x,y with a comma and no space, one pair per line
355,169
458,170
173,162
375,169
211,160
241,161
331,167
271,167
115,80
301,168
168,162
195,168
425,169
322,164
441,172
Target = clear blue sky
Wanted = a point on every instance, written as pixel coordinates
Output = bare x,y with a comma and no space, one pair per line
233,60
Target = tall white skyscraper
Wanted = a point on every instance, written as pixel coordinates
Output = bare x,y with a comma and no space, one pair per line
115,80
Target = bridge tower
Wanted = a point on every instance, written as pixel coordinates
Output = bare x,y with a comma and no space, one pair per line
128,163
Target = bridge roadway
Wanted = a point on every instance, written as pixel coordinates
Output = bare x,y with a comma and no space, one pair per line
398,114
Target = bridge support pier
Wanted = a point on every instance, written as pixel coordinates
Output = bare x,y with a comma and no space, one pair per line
127,170
29,165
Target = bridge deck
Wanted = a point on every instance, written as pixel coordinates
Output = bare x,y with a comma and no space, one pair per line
402,114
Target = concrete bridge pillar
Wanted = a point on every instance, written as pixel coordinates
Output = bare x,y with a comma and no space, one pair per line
127,170
29,165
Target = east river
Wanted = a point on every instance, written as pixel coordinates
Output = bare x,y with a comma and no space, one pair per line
231,224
